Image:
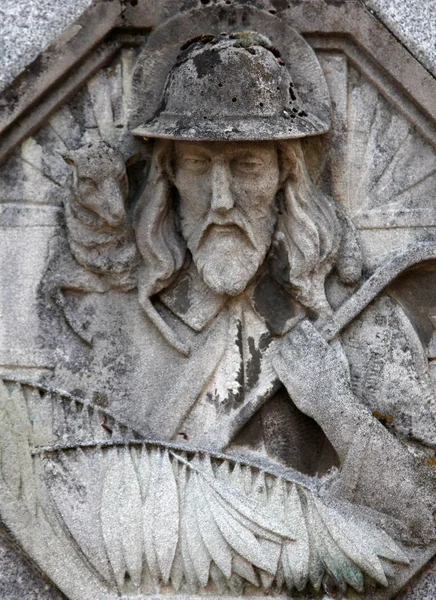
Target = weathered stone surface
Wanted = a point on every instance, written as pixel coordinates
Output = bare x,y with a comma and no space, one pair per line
413,23
423,586
19,578
218,342
27,28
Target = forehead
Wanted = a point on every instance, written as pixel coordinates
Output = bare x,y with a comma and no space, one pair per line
262,149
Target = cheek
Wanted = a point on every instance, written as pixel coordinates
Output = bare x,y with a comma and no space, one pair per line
192,205
258,194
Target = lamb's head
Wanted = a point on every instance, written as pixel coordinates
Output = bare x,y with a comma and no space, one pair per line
100,185
99,232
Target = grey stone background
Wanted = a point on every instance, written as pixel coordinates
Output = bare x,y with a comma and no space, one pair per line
27,27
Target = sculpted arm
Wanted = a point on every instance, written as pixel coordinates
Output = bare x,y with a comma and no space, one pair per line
376,469
318,383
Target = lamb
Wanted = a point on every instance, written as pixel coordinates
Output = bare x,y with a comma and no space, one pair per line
100,253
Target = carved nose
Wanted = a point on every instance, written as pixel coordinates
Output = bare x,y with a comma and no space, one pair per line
222,200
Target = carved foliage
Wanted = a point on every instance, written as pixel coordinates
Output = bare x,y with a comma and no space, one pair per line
147,517
172,522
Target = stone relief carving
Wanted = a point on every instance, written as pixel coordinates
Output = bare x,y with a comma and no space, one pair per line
250,409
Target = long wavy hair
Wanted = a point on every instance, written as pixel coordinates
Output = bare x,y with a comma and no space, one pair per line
312,235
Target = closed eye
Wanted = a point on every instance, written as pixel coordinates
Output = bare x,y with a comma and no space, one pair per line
195,164
247,166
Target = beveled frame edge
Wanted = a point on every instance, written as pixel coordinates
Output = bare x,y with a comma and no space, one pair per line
63,55
87,46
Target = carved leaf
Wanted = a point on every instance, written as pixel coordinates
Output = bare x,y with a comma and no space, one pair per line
110,519
296,554
177,570
42,416
216,545
130,515
274,551
148,515
10,474
329,554
176,575
244,568
384,546
356,542
247,510
239,537
285,564
219,579
141,460
15,454
200,556
74,483
165,517
188,566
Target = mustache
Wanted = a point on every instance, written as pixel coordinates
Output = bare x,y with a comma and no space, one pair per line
235,221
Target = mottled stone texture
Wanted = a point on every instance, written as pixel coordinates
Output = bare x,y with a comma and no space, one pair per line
19,580
414,24
423,587
191,349
28,27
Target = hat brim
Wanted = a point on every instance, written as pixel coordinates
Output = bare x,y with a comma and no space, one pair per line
278,127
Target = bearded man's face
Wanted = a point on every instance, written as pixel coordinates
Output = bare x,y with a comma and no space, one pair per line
227,208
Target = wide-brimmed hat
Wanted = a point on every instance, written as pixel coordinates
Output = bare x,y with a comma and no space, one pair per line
231,87
259,81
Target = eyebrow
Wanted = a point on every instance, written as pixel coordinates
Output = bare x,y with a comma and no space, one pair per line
236,154
247,154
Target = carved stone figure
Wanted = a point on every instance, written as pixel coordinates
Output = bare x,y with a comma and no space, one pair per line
248,412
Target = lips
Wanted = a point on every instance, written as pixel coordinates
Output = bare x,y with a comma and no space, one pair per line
221,227
229,228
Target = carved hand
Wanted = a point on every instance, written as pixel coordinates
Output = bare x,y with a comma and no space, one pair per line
317,380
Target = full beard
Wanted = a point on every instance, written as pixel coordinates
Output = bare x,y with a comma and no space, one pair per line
227,260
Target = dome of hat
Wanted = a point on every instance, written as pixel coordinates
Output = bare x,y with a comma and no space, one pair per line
231,87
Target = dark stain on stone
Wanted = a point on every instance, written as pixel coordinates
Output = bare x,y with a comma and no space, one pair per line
273,303
280,4
293,438
335,2
180,297
254,362
227,404
233,400
211,398
239,396
78,105
278,260
206,62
